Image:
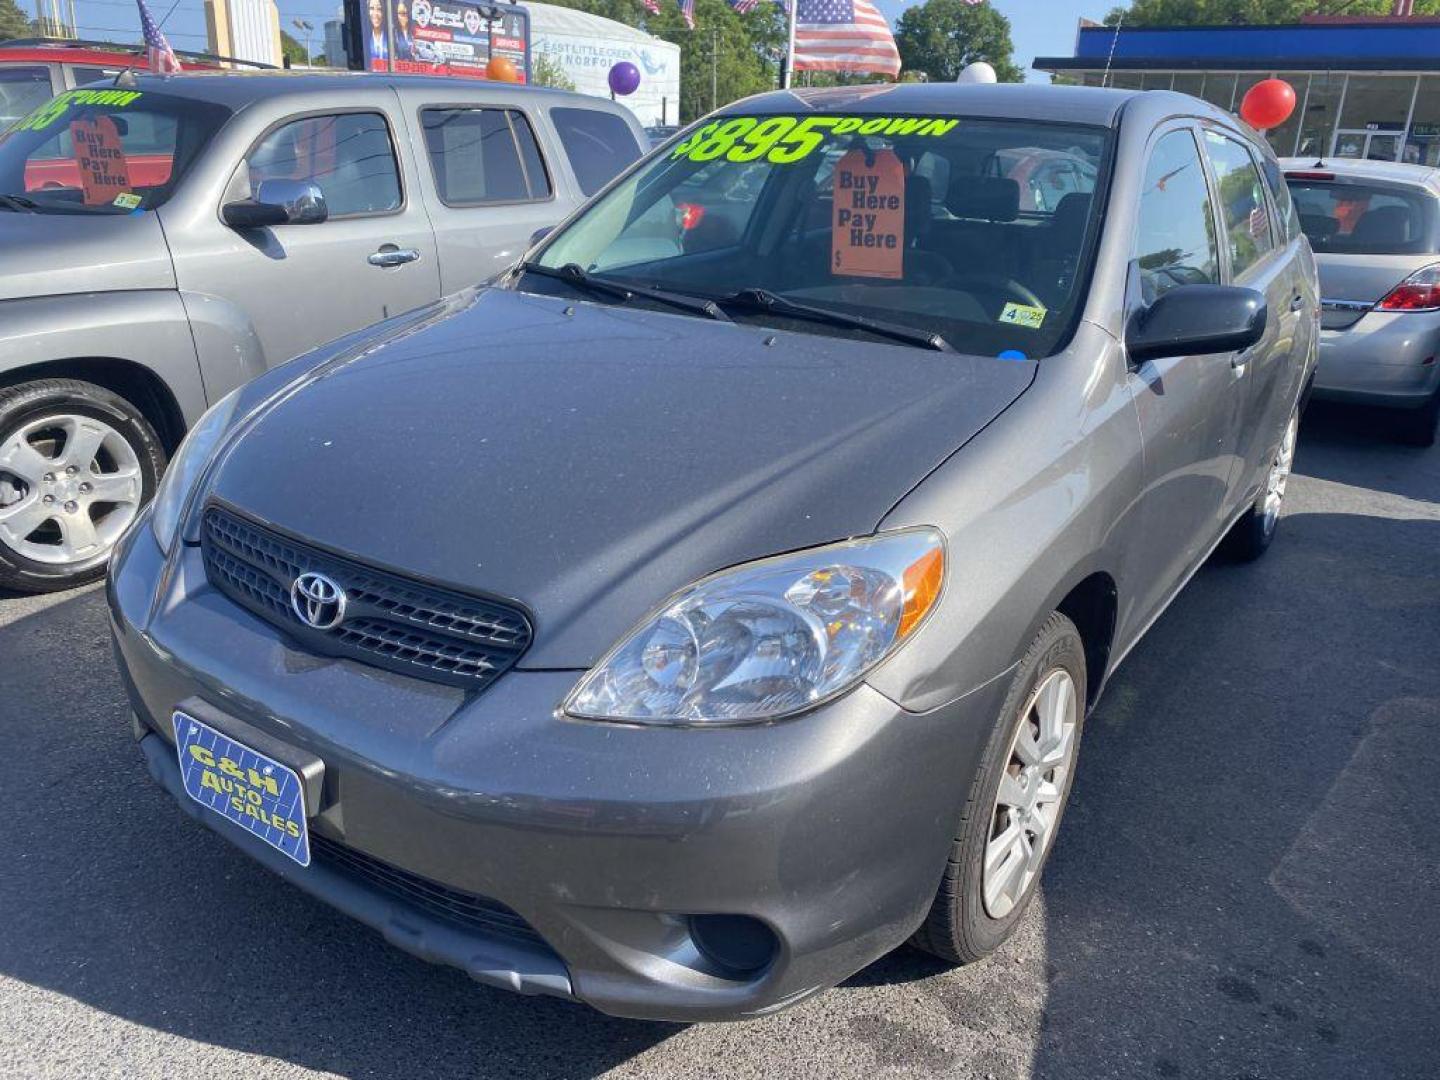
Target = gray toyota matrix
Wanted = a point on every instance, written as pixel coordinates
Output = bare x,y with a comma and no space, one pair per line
713,602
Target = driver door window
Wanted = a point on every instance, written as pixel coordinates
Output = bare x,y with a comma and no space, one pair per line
1175,231
348,155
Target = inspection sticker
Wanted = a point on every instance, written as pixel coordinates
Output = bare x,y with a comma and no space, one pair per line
256,792
1023,315
127,200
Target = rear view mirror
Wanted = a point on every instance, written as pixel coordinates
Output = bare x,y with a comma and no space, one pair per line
1193,320
278,202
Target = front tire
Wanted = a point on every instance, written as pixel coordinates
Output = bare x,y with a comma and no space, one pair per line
77,463
1015,803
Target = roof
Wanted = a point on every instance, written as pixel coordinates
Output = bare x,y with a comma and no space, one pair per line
1024,101
550,19
1391,171
1376,44
235,89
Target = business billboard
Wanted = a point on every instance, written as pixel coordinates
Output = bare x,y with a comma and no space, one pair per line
437,37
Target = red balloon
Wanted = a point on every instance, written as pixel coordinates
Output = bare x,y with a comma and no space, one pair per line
501,69
1268,104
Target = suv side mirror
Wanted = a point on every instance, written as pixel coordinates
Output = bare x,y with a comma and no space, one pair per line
1193,320
278,202
540,234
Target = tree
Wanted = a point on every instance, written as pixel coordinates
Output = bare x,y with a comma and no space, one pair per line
291,51
546,72
14,23
1249,12
939,37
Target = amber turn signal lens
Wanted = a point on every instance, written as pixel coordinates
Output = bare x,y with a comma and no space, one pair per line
922,587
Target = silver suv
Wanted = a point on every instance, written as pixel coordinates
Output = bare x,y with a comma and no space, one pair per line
166,239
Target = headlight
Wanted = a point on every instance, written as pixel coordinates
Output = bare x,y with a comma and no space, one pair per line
185,468
770,638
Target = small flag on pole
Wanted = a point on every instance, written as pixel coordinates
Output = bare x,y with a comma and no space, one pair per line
652,6
158,53
744,7
687,9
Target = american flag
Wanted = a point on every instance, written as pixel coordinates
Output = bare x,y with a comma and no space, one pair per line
743,7
844,35
158,53
687,9
652,6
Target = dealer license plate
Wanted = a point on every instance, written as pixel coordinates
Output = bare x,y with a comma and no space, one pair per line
244,786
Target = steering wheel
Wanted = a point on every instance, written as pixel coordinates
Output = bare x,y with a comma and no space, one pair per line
973,283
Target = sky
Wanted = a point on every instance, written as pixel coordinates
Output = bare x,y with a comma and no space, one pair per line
1038,27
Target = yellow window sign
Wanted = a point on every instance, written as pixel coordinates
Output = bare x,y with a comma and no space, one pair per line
783,140
56,108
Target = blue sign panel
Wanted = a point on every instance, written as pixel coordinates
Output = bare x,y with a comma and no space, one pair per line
244,786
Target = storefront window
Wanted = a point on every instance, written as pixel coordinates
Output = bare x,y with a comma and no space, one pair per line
1372,120
1157,80
1127,80
1219,89
1423,145
1282,138
1318,123
1187,82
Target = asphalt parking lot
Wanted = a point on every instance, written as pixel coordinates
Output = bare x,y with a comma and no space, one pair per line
1246,885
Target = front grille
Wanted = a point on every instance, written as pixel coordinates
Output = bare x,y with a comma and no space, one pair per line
468,910
392,622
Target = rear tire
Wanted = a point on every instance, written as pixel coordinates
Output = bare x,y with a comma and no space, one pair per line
77,463
984,892
1250,537
1417,426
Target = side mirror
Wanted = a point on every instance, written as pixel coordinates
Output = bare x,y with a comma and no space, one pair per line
278,202
1193,320
540,234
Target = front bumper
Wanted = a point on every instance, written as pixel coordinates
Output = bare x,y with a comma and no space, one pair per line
831,829
1385,358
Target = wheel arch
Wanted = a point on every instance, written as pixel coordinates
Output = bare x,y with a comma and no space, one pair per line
1092,604
135,382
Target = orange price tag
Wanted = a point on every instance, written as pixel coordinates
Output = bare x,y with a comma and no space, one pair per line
100,157
867,236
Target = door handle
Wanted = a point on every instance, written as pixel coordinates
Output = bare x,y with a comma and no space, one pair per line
1297,302
390,255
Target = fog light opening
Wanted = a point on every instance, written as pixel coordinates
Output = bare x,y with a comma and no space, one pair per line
739,946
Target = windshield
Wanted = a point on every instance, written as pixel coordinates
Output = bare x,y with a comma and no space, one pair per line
1365,219
975,230
103,151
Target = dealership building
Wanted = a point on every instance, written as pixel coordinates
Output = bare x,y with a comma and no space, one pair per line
1364,87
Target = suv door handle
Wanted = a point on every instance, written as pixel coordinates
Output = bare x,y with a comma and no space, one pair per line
1297,302
390,255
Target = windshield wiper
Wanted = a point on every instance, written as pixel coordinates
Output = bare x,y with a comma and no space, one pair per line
624,291
18,203
773,303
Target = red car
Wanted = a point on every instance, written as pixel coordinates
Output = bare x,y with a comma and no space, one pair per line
33,71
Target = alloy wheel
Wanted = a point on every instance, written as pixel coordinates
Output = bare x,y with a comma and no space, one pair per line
69,486
1027,804
1280,475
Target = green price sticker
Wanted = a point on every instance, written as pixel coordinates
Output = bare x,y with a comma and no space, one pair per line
55,109
783,140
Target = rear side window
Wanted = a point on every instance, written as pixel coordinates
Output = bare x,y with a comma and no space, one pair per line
598,144
1175,233
1289,224
348,155
1242,202
22,91
481,156
1365,219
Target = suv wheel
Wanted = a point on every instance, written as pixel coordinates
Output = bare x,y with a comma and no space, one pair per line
1015,802
77,463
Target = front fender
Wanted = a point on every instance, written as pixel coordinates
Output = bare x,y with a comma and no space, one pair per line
1040,500
148,327
226,343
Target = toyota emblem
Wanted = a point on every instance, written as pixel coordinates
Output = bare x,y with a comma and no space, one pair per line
317,601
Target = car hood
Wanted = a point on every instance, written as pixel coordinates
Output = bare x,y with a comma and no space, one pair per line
589,460
60,254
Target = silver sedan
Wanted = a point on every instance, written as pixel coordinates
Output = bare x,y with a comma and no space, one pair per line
1375,230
